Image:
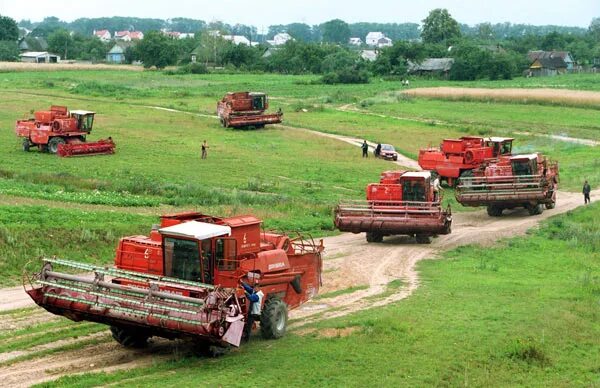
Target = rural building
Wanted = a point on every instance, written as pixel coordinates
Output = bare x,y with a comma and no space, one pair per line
355,41
31,43
103,35
564,55
378,39
117,52
547,66
280,39
237,39
128,36
39,57
369,55
432,66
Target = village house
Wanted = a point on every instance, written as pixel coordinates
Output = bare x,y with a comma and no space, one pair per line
39,57
117,52
31,43
103,35
378,39
564,55
237,39
280,39
355,41
432,67
128,36
545,66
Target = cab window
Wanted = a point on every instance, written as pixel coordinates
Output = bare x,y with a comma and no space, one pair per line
506,148
182,259
226,254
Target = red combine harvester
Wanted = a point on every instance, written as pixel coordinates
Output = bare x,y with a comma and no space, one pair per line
401,203
528,181
458,157
61,132
245,109
183,281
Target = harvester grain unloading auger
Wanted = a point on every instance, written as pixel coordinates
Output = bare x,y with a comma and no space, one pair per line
183,281
402,203
529,181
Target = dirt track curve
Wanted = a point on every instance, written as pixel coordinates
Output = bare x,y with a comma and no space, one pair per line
348,261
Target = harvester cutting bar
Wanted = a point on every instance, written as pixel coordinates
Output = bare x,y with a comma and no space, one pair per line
502,188
100,147
150,302
129,275
254,119
379,208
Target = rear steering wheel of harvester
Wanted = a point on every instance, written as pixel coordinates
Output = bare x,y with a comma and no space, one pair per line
273,320
26,145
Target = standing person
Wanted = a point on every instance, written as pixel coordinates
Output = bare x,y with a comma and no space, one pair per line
378,150
436,188
255,296
365,149
204,150
586,192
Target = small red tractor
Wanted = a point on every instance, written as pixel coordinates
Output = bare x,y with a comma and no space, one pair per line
458,157
183,281
528,181
401,203
245,109
62,132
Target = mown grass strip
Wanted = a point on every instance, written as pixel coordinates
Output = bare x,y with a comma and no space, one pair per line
74,331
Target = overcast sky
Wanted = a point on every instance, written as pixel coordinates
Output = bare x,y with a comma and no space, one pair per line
262,13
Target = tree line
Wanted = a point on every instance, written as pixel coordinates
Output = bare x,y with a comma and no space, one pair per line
483,51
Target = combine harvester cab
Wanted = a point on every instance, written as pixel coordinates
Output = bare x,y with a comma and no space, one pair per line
184,281
528,181
62,132
458,157
403,203
245,109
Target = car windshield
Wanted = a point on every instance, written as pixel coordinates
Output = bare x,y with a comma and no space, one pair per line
387,147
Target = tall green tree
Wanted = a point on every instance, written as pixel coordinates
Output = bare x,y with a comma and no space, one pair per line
61,42
594,28
8,29
439,27
158,50
336,31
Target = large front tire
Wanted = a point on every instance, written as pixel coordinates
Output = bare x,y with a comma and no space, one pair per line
494,211
129,338
423,239
374,237
273,320
26,145
53,144
534,210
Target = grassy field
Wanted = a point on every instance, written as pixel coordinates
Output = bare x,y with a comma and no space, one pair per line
523,313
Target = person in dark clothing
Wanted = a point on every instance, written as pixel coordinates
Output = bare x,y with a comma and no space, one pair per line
255,296
204,150
365,149
378,150
586,192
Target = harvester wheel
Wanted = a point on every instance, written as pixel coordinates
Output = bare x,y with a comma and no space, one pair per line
535,209
494,211
273,320
374,237
550,205
53,144
130,338
26,145
423,239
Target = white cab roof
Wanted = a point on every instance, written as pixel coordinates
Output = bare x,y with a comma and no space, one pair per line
500,139
524,156
197,230
82,112
417,174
